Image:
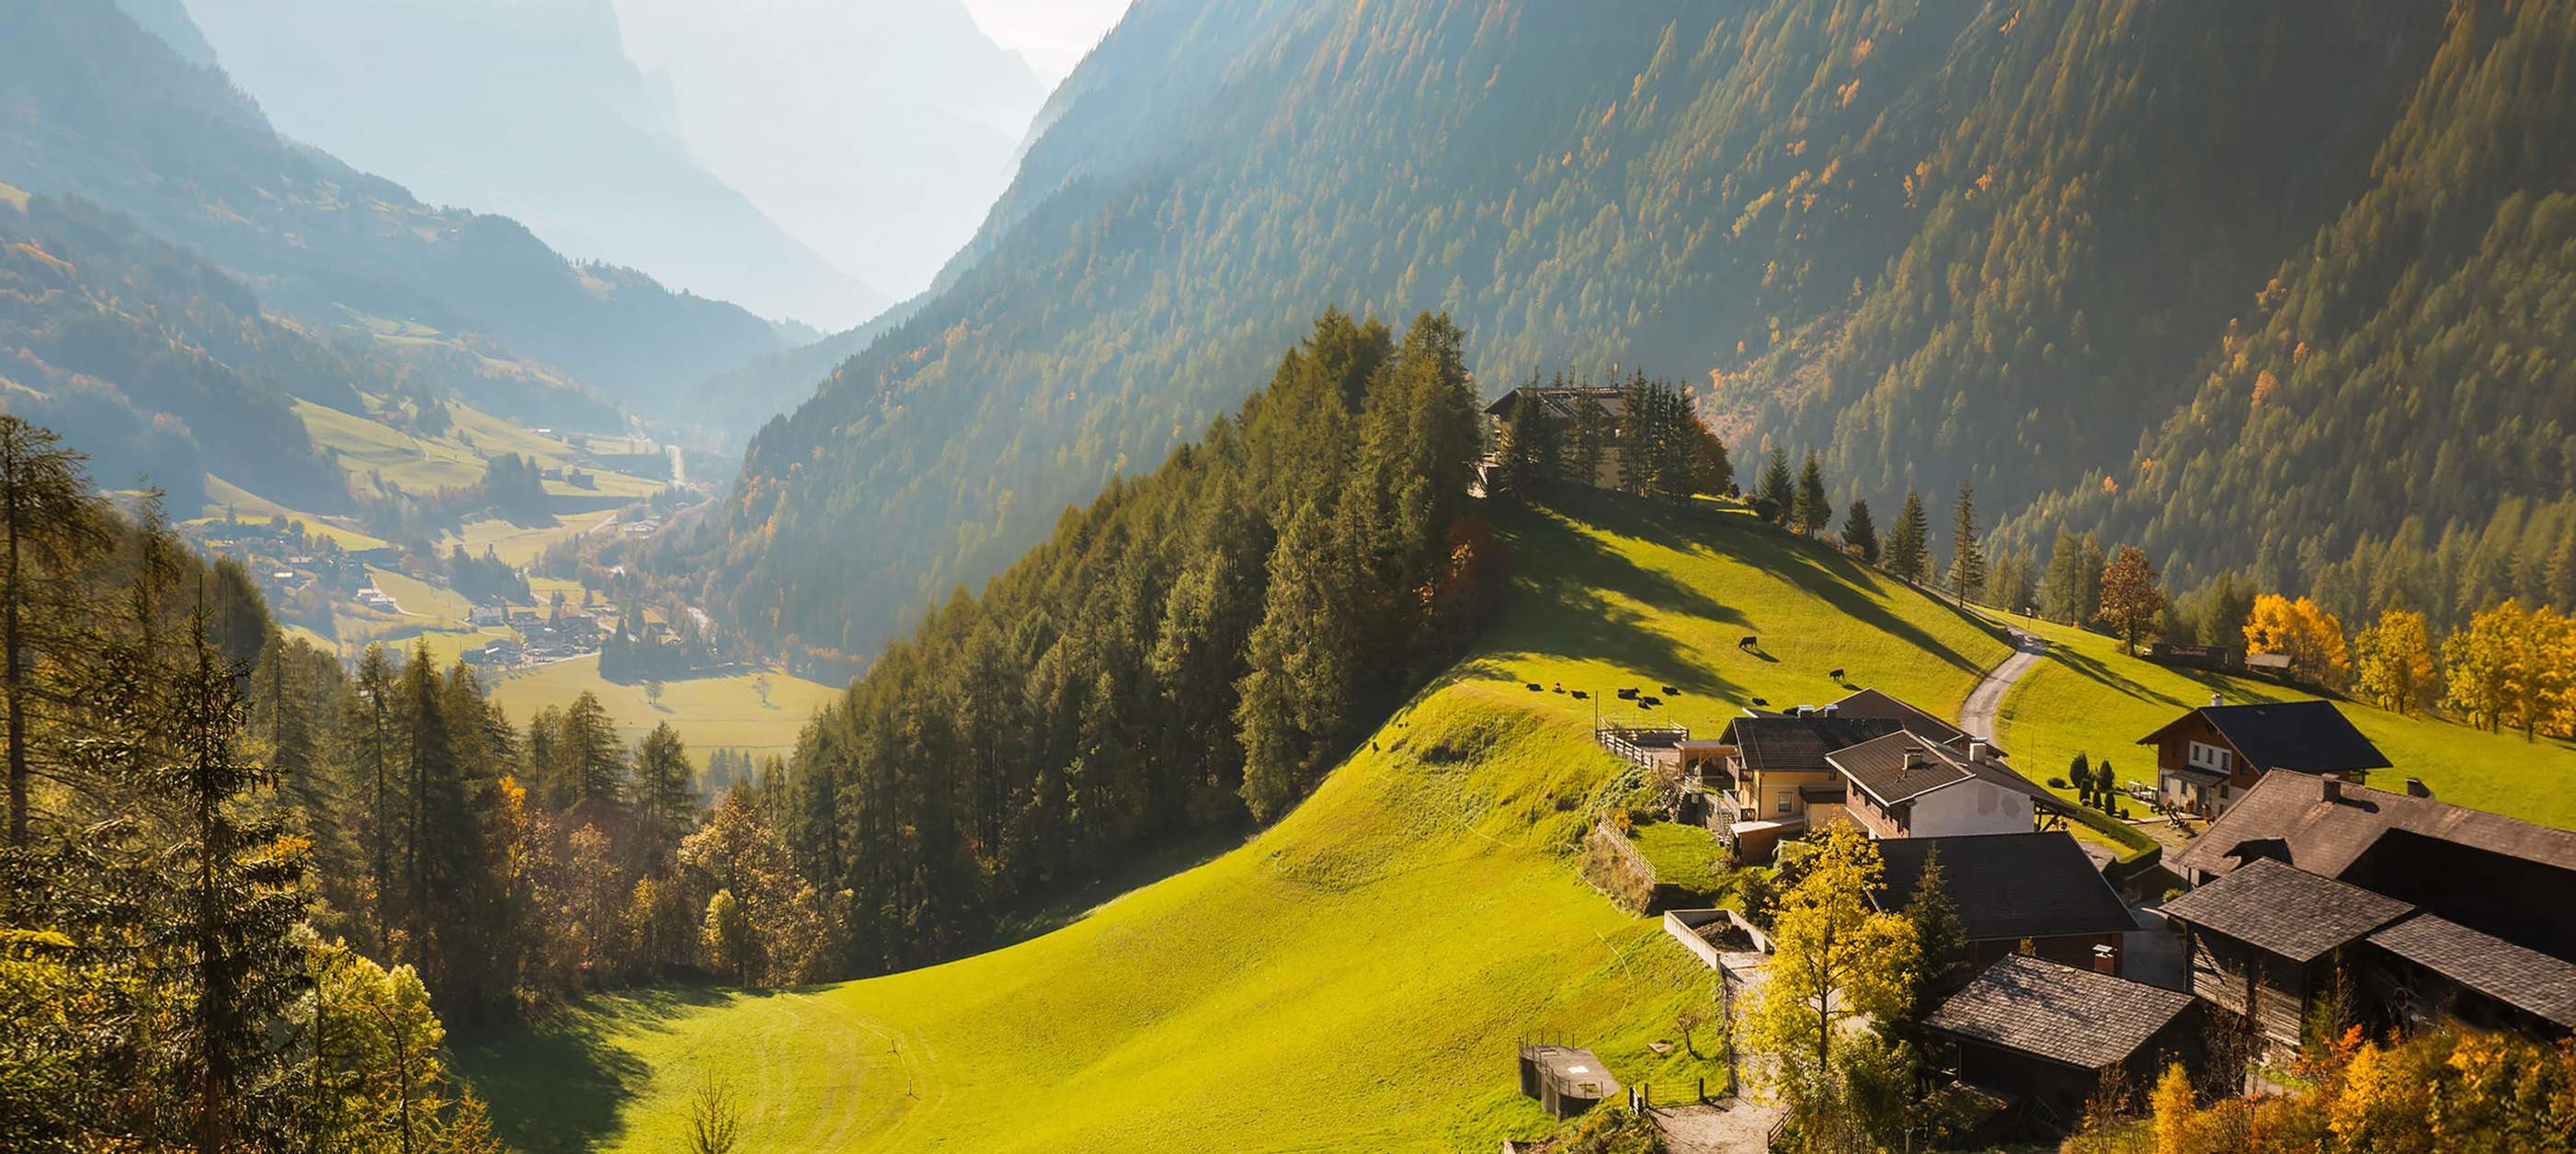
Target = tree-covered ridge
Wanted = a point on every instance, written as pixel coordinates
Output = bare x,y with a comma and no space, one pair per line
160,365
1939,242
2396,398
1199,643
93,106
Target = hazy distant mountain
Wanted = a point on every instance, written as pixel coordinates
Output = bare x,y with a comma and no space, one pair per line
529,109
877,131
93,106
169,20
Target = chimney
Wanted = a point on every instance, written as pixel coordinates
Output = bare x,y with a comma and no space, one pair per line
1980,751
1915,758
1827,710
2217,699
2333,784
2415,787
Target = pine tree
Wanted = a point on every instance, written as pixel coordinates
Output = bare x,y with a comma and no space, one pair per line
373,742
1859,534
1909,544
2562,572
662,794
1583,456
1772,502
1940,944
50,527
1967,561
597,767
1297,697
1813,511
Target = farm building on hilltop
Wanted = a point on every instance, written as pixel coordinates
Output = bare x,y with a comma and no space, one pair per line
2209,758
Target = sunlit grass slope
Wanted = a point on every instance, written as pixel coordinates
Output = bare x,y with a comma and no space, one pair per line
709,713
1350,979
2088,696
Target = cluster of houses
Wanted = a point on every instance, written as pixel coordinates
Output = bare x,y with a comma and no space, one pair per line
2305,889
537,635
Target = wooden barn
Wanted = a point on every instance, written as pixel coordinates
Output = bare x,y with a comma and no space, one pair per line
2046,1033
2268,940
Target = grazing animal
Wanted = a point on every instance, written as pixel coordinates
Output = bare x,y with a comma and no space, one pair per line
1535,687
1758,703
1669,691
1580,695
1837,675
1650,702
1748,642
1627,695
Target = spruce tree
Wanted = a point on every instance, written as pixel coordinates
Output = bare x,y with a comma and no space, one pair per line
1941,945
1583,456
1967,561
1859,533
1774,499
1909,543
663,798
373,742
1814,512
1529,450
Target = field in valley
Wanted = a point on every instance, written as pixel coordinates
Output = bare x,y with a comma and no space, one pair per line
710,713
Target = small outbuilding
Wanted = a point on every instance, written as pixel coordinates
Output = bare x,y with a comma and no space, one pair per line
2268,940
1566,1081
2047,1032
2013,888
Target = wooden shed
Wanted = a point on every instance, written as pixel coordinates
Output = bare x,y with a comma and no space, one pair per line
1566,1081
2047,1033
2266,941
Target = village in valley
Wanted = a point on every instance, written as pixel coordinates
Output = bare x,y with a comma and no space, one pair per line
2281,890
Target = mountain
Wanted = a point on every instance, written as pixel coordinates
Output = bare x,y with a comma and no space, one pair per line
159,366
529,110
92,105
877,131
1940,241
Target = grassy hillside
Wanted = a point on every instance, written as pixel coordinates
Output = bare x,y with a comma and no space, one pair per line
2087,696
709,712
1352,978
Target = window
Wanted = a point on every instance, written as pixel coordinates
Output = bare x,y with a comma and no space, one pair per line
2211,757
1786,797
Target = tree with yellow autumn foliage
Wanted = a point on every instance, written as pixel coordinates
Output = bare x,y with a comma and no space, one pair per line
2394,668
2310,636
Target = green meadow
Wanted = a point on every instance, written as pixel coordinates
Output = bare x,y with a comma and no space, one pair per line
709,713
2088,696
1354,977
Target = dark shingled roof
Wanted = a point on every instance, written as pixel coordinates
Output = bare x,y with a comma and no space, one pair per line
1873,703
2008,885
2078,1017
2528,979
2286,910
2306,736
2326,837
1560,403
1878,766
1799,744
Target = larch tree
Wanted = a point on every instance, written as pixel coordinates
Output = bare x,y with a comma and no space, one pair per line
50,527
2132,601
1835,957
2311,637
1967,557
2071,593
2395,669
1909,544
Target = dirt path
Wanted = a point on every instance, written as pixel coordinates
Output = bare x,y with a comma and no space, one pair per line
1977,717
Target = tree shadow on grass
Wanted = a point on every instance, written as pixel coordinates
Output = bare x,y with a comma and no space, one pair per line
1558,607
2101,672
561,1084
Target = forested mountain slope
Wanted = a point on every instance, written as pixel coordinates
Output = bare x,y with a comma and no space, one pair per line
94,106
160,366
1940,241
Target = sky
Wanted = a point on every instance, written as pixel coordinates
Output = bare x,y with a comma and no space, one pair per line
1052,34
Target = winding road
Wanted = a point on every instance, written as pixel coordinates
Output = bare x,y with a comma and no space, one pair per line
1977,717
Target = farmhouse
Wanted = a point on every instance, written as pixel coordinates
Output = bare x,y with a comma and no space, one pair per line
1771,779
2208,758
1563,407
2012,888
2485,871
1903,785
2049,1033
2268,940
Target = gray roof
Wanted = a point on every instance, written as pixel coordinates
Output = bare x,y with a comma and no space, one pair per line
2286,910
2078,1017
2326,837
1878,767
2527,979
2307,736
2007,886
1575,1073
1874,703
1559,402
1799,744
